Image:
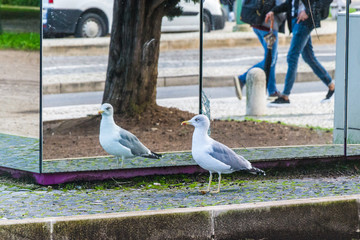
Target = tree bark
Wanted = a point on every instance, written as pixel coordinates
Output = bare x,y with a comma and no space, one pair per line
133,57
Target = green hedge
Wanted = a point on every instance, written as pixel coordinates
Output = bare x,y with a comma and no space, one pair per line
34,3
11,12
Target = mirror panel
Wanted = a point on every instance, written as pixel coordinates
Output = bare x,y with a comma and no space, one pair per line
20,87
74,73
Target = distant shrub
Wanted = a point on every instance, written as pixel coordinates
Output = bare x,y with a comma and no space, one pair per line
34,3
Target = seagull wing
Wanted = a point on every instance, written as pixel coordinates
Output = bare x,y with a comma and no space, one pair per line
130,141
225,155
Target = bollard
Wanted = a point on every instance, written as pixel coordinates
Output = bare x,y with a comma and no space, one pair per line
255,92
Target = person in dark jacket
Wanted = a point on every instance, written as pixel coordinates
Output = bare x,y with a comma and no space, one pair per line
302,17
261,31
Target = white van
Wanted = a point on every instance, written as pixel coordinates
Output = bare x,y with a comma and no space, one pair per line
93,18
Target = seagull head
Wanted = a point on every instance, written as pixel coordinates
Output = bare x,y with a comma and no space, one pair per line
199,121
106,110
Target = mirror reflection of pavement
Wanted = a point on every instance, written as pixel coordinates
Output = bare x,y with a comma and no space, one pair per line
19,92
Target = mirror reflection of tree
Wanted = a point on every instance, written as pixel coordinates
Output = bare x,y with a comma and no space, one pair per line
134,53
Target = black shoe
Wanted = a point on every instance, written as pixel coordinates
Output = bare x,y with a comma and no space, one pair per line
328,96
238,87
279,102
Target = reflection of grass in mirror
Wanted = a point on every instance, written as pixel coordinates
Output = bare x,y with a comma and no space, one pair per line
20,41
285,124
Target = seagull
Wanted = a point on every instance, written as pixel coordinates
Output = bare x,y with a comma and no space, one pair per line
214,156
119,142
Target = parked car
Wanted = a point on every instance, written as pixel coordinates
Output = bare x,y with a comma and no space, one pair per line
93,18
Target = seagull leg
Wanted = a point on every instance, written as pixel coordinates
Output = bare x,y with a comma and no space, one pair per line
218,189
208,188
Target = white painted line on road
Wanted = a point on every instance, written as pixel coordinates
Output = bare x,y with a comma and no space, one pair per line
74,66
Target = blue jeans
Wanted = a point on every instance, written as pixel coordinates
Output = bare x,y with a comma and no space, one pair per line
301,44
272,82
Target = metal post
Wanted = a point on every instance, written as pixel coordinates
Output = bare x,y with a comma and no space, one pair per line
201,58
40,102
346,77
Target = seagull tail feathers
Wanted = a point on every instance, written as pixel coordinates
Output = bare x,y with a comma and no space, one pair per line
152,155
255,170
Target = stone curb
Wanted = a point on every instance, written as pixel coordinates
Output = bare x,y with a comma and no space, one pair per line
75,47
322,218
219,81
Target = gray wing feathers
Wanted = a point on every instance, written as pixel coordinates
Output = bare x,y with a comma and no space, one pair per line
130,141
229,157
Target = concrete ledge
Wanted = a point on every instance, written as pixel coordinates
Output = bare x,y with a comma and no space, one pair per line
320,218
72,87
218,81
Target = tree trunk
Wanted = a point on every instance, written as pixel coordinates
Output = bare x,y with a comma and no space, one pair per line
133,58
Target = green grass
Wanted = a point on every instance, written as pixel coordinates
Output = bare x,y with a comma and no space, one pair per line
17,12
20,41
285,124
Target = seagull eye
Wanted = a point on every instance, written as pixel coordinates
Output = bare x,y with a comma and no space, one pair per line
108,108
196,119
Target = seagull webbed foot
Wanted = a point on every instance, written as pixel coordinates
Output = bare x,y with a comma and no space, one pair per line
204,191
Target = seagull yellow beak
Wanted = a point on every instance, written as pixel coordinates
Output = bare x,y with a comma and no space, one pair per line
100,112
185,123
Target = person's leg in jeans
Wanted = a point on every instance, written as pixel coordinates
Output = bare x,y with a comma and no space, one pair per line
260,34
309,57
301,35
272,82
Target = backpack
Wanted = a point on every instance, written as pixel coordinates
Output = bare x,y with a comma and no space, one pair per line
322,7
325,8
253,12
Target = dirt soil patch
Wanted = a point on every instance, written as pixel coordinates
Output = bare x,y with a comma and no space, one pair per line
161,131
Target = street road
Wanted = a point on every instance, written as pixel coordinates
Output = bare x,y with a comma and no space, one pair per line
184,62
217,62
68,99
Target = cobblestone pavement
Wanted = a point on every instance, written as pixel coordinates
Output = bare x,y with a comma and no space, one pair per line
17,202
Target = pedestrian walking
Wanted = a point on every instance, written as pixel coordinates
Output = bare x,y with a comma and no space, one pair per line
302,17
263,30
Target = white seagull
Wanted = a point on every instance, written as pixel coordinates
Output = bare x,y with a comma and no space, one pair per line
214,156
119,142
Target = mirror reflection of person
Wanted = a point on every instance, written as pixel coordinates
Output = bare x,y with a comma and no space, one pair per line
300,24
229,7
261,31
